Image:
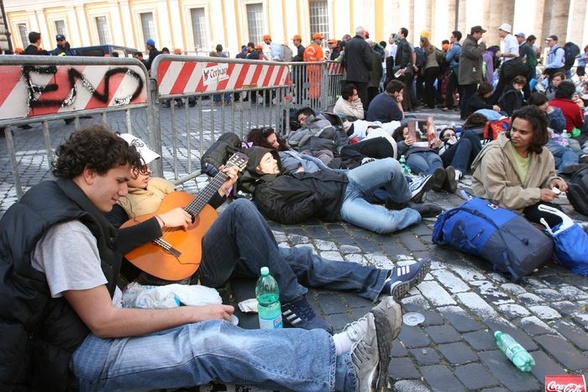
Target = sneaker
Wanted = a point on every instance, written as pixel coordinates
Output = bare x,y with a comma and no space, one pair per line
388,320
300,314
419,187
450,184
404,277
365,357
426,210
439,176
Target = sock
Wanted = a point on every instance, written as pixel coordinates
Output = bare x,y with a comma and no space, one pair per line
342,343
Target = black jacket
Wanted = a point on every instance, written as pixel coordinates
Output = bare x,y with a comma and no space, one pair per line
296,197
39,333
358,60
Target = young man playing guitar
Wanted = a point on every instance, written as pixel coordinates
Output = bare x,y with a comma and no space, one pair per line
239,242
61,314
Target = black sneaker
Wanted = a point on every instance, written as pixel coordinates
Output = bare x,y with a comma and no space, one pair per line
426,210
300,314
439,177
404,277
419,187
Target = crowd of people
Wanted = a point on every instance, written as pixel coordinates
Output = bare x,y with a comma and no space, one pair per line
64,241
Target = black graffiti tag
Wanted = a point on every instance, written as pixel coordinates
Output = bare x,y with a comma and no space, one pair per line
35,91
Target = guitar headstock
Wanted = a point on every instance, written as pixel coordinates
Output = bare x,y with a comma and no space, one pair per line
239,160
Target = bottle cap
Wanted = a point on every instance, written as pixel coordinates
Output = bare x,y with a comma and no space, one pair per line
413,318
264,271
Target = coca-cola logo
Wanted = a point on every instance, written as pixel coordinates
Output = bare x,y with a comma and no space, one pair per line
554,386
565,384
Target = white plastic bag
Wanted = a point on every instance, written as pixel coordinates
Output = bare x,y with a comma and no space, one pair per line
136,295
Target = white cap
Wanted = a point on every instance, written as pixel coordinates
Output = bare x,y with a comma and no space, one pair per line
505,27
147,154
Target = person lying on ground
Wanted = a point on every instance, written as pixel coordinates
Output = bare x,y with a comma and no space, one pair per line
330,195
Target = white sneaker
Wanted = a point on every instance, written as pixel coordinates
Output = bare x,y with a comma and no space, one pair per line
458,175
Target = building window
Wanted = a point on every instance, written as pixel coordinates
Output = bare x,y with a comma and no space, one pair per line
255,22
103,32
319,17
23,31
60,27
148,26
199,28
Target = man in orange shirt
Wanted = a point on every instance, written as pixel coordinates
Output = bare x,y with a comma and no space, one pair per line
314,52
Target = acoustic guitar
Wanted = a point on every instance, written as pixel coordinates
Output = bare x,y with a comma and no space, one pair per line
176,255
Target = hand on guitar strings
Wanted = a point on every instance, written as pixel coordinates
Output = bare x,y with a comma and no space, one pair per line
232,176
178,217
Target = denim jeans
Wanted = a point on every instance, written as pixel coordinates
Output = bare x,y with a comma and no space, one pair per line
240,242
424,162
363,180
196,354
462,154
563,156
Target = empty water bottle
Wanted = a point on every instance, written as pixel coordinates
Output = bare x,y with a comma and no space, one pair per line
403,165
514,351
267,293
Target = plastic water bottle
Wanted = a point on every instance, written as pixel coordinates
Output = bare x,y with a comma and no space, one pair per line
268,301
514,351
403,165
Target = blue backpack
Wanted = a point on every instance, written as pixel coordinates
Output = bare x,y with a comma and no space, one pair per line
505,239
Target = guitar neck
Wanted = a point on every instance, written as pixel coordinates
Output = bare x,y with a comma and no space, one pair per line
204,196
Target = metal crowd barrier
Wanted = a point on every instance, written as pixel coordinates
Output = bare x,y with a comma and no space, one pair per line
41,89
208,96
181,108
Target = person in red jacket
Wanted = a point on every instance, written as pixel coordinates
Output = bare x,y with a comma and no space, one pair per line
563,100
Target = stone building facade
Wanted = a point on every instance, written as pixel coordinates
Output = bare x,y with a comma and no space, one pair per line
196,26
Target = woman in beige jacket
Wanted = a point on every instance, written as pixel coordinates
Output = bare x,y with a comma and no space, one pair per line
517,171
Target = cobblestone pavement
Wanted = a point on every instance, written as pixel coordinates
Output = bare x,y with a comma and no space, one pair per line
463,301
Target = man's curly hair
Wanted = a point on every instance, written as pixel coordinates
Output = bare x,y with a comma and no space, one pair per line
97,148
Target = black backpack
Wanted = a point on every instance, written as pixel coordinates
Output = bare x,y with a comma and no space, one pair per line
578,190
219,152
571,52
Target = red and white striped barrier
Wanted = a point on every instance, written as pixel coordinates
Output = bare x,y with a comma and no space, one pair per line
36,90
184,77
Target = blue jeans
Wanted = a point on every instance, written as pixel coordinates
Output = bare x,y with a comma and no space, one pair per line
424,162
462,154
196,354
240,242
563,156
363,180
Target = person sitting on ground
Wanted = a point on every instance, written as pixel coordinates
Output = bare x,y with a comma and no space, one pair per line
513,99
424,159
566,159
333,195
516,171
349,104
227,255
571,111
458,153
482,99
387,106
61,279
554,80
316,136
